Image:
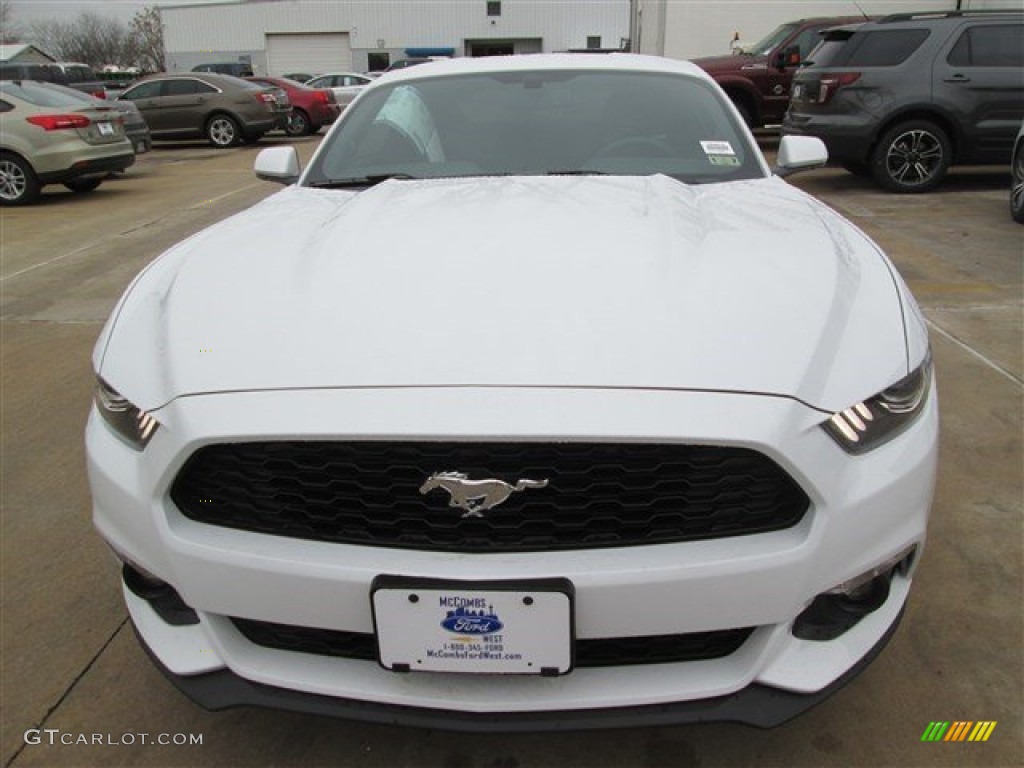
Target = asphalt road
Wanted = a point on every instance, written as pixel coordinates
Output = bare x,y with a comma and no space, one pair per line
73,670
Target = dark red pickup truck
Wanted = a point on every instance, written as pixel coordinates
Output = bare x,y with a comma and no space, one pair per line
758,79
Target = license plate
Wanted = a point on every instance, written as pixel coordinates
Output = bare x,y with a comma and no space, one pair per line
105,129
508,628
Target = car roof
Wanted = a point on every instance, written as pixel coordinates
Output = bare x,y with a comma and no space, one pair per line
946,17
540,62
214,78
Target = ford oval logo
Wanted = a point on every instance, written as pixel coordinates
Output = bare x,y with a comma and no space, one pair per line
462,621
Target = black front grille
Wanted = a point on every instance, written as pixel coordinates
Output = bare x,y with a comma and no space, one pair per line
600,652
597,495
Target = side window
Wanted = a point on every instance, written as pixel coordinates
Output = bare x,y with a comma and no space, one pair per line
885,48
5,106
73,74
806,41
201,87
989,46
143,91
180,87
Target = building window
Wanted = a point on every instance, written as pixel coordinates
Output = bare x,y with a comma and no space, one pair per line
594,41
494,8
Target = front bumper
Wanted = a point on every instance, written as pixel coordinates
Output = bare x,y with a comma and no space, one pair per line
757,705
863,511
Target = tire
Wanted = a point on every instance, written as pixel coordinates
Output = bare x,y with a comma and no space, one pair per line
857,169
82,185
744,110
18,182
298,124
911,157
1017,186
222,131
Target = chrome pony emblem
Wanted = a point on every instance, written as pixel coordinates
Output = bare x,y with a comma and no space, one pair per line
476,496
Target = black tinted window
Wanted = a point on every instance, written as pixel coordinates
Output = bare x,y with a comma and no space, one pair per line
805,41
883,48
990,46
827,52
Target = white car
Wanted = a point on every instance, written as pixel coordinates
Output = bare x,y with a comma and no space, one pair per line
535,401
345,85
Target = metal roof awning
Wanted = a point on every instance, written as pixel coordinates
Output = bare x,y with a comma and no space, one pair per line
423,53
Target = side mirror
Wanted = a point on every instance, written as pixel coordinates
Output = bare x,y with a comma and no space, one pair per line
278,164
799,153
790,57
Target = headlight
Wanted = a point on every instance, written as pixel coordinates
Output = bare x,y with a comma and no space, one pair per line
132,424
869,424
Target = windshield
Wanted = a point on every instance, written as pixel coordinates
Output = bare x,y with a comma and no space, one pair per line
770,43
538,123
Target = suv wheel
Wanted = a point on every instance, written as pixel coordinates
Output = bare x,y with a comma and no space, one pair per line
911,157
223,131
1017,185
18,182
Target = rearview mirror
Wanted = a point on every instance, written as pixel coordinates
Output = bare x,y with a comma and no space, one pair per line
278,164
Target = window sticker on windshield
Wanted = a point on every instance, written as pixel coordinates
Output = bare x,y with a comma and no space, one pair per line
717,148
723,160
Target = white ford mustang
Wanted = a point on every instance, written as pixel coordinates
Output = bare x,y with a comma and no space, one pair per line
535,401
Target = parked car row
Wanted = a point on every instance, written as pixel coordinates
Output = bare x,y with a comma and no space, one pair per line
311,108
52,134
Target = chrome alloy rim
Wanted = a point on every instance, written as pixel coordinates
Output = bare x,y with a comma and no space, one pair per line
13,181
1017,190
222,131
913,157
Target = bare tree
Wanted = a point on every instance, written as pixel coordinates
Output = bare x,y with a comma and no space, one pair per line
92,39
147,29
9,31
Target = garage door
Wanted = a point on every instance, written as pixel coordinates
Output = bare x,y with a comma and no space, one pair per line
312,53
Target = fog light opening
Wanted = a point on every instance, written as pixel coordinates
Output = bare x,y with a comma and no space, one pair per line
160,595
837,611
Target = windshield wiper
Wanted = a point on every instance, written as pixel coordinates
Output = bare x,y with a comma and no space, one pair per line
360,181
577,172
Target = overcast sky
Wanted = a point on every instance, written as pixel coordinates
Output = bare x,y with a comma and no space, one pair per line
26,11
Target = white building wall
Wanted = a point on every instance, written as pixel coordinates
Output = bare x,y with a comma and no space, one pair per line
224,32
685,29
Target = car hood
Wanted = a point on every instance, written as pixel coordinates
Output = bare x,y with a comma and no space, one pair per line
618,282
729,63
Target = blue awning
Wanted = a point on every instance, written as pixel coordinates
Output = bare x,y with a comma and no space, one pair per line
422,53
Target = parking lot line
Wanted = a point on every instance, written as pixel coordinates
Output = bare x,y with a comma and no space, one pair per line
975,353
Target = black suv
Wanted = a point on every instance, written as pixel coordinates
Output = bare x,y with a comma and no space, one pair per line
903,98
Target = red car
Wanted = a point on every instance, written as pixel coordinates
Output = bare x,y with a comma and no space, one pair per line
312,108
